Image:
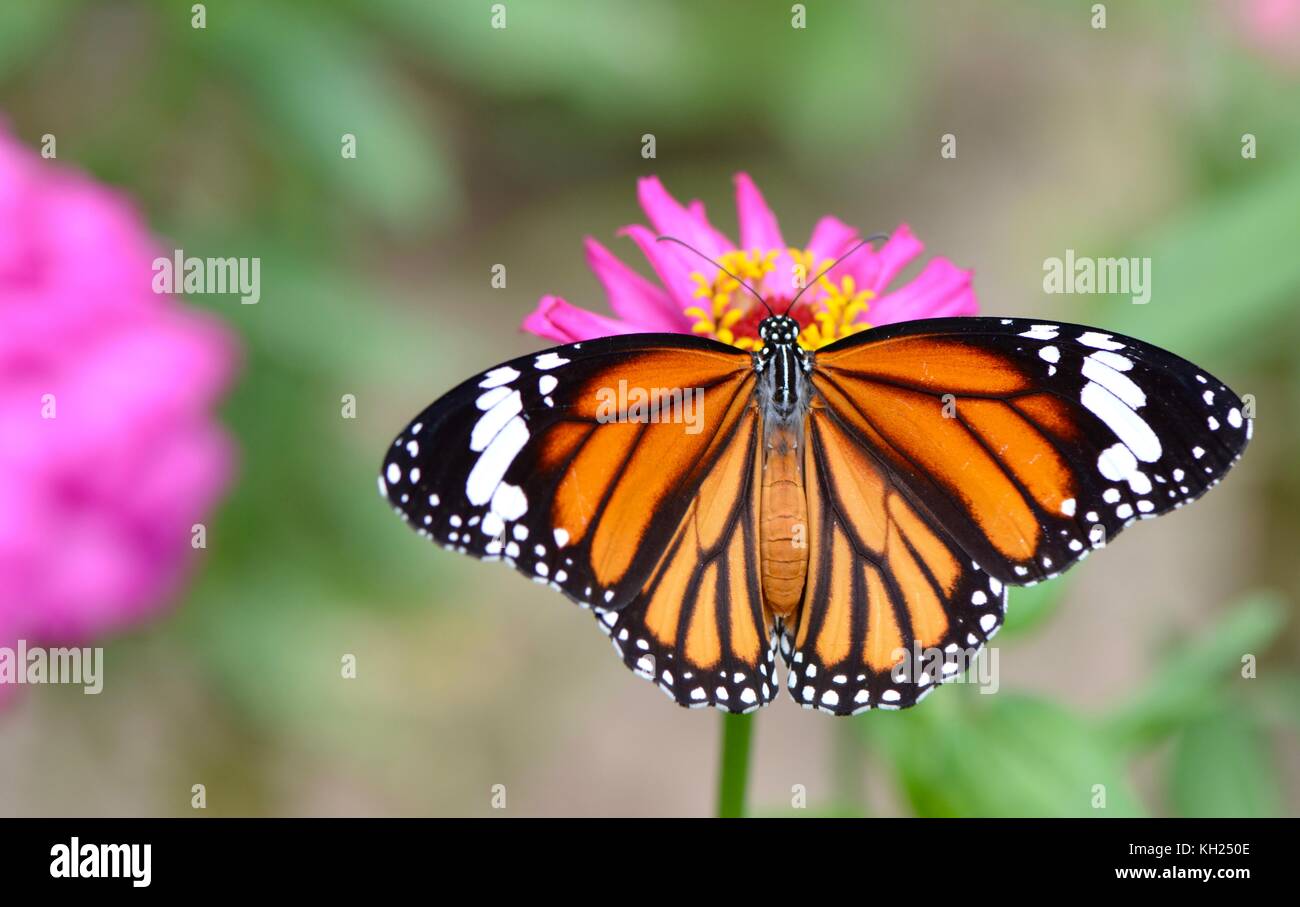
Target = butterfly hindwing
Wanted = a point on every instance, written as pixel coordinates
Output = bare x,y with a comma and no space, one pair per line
698,627
1031,443
892,606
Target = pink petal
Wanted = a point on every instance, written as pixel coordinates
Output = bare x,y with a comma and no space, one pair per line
940,290
831,238
696,207
759,231
758,226
673,264
876,270
670,218
631,296
556,319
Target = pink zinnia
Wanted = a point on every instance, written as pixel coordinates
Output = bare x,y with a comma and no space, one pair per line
110,452
693,297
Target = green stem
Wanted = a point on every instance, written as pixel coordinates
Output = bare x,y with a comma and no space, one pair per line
733,767
848,756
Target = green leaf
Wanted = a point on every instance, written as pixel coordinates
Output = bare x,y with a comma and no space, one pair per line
1191,683
963,754
317,79
1221,769
1223,273
582,51
1029,606
25,29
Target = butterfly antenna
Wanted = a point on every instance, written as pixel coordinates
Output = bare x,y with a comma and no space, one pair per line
872,238
752,291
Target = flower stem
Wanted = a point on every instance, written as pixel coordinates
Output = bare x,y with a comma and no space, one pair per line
733,767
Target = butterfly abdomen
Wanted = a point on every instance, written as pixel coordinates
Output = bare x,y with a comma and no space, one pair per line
784,516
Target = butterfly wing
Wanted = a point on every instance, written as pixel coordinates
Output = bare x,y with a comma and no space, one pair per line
984,452
618,471
698,627
883,578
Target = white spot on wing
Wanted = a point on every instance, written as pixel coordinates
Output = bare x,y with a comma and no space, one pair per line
493,525
1099,341
1118,384
509,501
1114,360
548,361
491,398
1127,425
492,464
1116,462
492,421
499,376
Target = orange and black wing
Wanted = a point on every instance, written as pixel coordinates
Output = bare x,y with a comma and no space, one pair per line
950,458
620,472
893,605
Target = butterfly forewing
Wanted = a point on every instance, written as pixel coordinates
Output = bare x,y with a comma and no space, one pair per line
1031,443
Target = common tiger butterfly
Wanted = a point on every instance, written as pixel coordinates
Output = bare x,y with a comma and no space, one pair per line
847,507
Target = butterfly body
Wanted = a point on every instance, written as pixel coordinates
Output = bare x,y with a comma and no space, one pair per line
861,511
783,394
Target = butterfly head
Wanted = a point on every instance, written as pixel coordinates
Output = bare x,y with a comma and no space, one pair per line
778,330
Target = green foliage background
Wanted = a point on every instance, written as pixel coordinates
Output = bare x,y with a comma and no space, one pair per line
478,146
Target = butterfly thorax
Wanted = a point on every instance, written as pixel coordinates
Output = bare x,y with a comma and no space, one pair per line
781,364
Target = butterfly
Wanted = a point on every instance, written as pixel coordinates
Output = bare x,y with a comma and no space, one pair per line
857,511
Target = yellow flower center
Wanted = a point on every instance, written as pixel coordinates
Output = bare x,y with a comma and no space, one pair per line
826,312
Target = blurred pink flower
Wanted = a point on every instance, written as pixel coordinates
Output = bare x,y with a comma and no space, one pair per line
1272,27
693,297
97,503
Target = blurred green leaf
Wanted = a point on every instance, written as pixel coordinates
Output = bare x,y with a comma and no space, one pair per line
306,487
1029,606
575,49
964,754
1221,769
1277,703
676,67
316,79
25,28
1191,683
1223,272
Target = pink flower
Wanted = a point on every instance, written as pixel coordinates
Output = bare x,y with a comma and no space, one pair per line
110,451
1271,27
692,296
